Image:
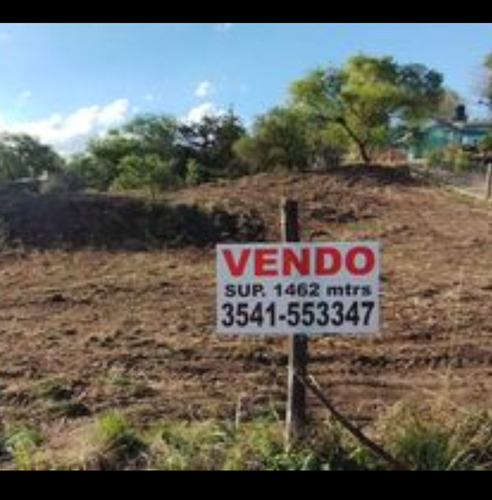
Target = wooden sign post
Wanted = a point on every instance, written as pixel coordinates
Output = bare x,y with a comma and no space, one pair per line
298,343
297,289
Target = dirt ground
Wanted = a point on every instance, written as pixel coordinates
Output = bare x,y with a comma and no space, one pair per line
135,330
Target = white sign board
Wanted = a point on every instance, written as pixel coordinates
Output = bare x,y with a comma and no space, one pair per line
311,288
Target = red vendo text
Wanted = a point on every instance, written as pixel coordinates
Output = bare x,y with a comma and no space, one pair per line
319,261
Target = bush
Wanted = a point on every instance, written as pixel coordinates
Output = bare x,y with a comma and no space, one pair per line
485,145
116,436
451,157
461,161
139,172
21,443
436,158
256,445
438,437
287,139
195,173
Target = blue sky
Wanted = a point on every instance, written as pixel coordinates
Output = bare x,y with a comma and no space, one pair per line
66,82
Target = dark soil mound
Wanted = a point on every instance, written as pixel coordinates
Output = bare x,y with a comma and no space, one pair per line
71,221
376,175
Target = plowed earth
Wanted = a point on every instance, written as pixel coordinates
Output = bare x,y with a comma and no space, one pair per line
136,330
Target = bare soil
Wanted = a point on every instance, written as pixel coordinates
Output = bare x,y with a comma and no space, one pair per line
134,330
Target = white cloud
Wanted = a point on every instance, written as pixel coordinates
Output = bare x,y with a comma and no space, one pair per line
204,89
113,112
197,113
223,27
149,97
67,133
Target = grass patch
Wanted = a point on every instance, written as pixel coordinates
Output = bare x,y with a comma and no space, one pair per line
118,442
53,389
438,437
433,437
56,395
257,445
118,382
68,409
21,442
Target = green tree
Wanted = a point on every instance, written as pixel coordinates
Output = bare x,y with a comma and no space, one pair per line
195,173
290,138
99,165
211,143
23,156
161,145
448,104
106,159
147,171
153,134
487,87
367,96
486,99
89,171
158,135
278,139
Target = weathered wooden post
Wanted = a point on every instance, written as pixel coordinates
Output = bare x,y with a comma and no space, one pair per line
488,182
298,343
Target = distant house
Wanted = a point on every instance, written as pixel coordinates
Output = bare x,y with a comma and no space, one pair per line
441,133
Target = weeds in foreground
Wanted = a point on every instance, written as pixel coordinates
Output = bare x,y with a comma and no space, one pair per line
257,445
424,437
116,436
438,437
21,442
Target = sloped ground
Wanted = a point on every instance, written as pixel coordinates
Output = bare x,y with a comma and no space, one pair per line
74,221
86,330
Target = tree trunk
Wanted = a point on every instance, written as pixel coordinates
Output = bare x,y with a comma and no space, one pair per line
363,153
362,146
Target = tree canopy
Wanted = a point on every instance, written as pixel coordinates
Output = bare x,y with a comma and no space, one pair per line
278,139
23,156
286,137
210,142
487,90
158,152
448,104
367,96
363,105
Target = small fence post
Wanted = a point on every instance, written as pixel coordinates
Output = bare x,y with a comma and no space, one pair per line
298,343
488,182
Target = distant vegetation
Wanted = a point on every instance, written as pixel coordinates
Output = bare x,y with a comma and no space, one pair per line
158,153
352,113
22,156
